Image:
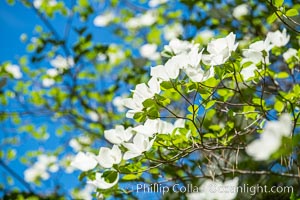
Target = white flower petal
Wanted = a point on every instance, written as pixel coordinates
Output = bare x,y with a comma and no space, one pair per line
84,161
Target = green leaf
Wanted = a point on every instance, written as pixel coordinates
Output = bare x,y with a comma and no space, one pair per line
139,117
82,175
10,2
282,75
166,85
279,106
215,127
129,177
209,135
271,18
148,103
278,3
11,154
110,176
210,104
292,12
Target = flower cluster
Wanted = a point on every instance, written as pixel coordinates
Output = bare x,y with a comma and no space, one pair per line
41,167
185,59
136,141
258,52
60,64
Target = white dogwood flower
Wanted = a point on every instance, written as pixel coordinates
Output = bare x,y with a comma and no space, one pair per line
100,182
290,53
118,135
240,11
149,51
52,72
118,103
93,116
108,157
216,190
140,94
270,140
220,50
152,126
248,72
35,172
140,144
155,3
38,3
48,82
205,35
41,167
60,63
177,46
84,161
146,19
188,62
278,38
14,70
258,52
173,31
103,20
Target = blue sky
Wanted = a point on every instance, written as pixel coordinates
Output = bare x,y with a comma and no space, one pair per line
14,21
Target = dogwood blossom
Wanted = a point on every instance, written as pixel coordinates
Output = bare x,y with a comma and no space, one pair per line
192,66
146,19
118,135
258,52
153,126
278,38
84,161
189,62
118,102
172,31
103,20
240,11
60,63
142,91
220,50
38,3
216,190
85,193
205,35
48,82
290,53
52,72
108,157
187,57
155,3
170,70
14,70
93,116
149,51
65,162
77,144
100,182
177,46
140,144
270,140
34,173
248,72
140,94
41,167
